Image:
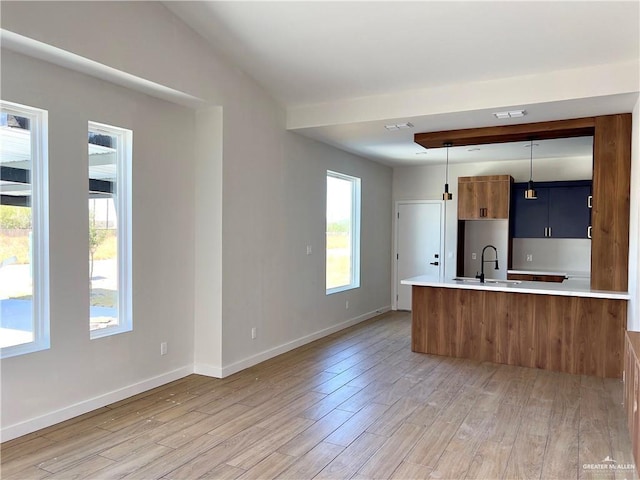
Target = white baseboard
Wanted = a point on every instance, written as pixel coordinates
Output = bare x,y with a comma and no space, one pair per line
285,347
43,421
208,370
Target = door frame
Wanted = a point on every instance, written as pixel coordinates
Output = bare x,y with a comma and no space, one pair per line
394,252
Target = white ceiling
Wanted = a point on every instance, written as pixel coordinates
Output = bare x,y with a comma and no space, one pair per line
306,53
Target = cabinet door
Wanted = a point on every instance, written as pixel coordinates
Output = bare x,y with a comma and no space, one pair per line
496,199
468,200
569,214
530,217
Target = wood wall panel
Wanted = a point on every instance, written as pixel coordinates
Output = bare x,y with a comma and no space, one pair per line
567,334
632,389
610,213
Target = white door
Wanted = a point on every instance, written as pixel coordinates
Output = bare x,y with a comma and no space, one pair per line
418,228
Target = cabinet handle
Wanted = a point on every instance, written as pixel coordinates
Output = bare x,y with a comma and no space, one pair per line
550,232
589,230
590,201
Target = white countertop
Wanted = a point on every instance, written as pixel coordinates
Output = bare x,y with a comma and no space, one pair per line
572,287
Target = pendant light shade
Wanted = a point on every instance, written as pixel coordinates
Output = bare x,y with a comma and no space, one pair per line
446,195
530,193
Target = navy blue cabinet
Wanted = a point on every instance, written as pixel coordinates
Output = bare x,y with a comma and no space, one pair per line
560,211
530,218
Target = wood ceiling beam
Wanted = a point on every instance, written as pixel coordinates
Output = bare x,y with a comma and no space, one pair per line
578,127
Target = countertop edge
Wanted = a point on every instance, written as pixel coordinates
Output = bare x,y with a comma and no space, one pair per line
524,287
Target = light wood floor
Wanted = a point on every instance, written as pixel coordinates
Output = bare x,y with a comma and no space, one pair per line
357,404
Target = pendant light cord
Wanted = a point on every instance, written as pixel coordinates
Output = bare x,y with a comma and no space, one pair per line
531,163
447,169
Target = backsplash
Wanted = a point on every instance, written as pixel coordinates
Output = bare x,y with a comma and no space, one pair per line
552,254
478,234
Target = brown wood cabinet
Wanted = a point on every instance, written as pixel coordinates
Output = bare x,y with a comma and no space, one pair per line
632,389
578,335
482,198
535,277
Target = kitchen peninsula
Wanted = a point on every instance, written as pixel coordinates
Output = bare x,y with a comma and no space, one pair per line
567,327
577,326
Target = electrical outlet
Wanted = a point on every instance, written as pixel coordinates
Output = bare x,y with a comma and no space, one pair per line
309,250
529,257
253,333
474,256
163,348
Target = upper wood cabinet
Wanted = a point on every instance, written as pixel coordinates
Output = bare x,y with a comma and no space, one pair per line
484,198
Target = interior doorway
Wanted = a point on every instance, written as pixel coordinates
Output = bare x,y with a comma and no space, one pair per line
418,245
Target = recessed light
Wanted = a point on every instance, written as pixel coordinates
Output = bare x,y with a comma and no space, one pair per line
510,114
421,153
391,127
473,150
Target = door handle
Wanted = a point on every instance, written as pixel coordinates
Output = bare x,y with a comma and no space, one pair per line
434,263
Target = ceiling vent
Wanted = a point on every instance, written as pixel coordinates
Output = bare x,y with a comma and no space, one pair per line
399,126
511,114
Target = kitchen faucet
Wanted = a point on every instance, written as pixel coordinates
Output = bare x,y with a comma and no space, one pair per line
482,262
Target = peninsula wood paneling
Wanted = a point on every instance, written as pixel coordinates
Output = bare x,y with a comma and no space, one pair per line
632,389
610,213
567,334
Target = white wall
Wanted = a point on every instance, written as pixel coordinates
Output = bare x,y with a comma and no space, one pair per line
277,209
427,183
251,197
77,370
568,255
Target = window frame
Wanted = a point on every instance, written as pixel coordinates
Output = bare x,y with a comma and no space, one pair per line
356,194
124,153
39,136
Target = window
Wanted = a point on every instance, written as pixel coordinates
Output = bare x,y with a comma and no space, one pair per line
110,274
24,229
342,232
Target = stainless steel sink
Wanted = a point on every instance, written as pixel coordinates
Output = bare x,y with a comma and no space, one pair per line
493,281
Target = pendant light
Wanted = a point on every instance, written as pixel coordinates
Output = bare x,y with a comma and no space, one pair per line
446,195
530,193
